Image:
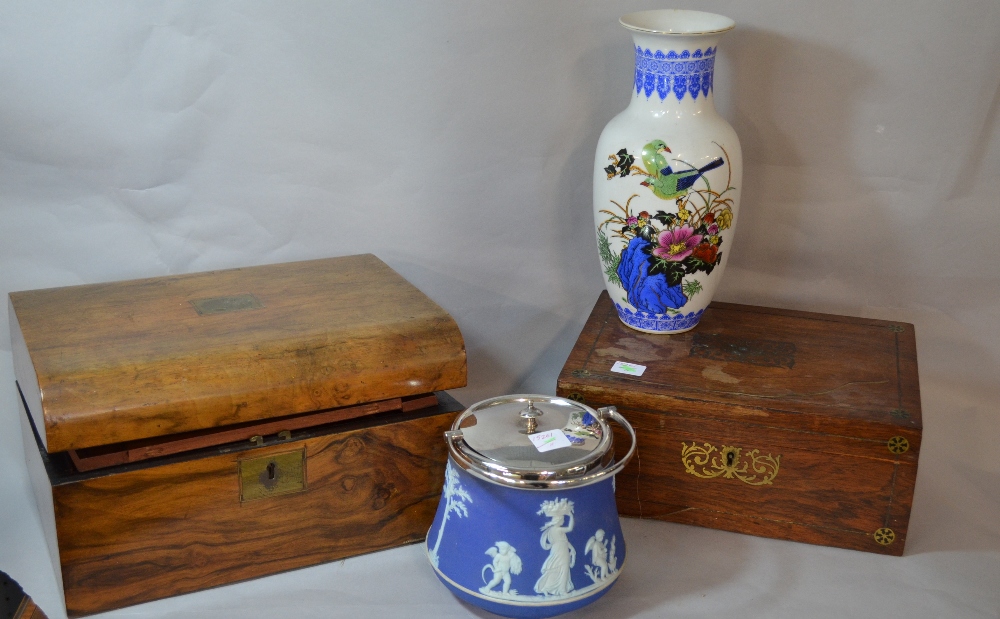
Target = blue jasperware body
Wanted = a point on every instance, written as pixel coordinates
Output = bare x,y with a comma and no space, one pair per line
522,552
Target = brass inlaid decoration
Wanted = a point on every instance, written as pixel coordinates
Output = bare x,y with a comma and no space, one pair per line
898,445
897,328
272,475
576,396
885,536
220,305
730,463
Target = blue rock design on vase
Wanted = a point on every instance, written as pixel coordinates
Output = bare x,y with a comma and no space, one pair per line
680,73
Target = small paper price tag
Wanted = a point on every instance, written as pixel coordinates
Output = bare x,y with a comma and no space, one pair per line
632,369
549,440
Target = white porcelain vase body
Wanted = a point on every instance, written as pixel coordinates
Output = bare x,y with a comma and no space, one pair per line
667,176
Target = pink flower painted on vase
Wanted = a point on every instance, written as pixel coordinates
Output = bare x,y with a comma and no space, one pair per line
677,244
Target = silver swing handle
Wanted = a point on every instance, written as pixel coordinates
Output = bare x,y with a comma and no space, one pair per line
610,413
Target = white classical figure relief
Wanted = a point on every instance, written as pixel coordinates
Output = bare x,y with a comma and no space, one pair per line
603,564
556,579
454,496
555,582
505,563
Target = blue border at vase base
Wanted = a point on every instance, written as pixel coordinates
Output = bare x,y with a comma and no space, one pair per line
659,323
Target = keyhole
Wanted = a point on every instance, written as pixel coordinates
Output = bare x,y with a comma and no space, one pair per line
270,470
729,458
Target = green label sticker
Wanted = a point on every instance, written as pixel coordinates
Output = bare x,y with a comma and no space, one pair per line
632,369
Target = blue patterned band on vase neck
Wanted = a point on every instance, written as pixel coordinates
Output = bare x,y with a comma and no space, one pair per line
682,73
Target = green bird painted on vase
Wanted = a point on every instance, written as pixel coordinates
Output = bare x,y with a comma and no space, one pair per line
662,179
652,159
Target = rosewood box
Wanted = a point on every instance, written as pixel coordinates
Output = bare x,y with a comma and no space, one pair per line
778,423
190,431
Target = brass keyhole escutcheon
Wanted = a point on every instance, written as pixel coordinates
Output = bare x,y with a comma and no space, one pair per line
749,466
898,445
885,536
272,475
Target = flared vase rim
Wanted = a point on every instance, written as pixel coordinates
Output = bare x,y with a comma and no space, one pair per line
676,22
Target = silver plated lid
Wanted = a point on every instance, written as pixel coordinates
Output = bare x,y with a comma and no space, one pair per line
536,441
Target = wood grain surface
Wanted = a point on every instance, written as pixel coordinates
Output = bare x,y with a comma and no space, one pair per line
819,495
159,531
824,395
842,375
135,451
131,360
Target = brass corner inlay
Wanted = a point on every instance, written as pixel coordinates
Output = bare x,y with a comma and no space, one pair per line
730,463
898,445
885,536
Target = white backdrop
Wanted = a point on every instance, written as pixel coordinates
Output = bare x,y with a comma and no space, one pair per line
454,139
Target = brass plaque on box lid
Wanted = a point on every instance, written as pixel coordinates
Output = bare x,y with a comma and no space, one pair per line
220,305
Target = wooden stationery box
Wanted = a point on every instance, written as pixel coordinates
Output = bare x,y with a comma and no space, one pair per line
778,423
190,431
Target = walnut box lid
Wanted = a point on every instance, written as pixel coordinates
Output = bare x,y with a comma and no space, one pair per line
107,363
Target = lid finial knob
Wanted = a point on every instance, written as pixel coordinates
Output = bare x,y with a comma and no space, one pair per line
531,415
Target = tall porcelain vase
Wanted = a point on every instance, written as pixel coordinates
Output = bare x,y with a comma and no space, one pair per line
667,176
